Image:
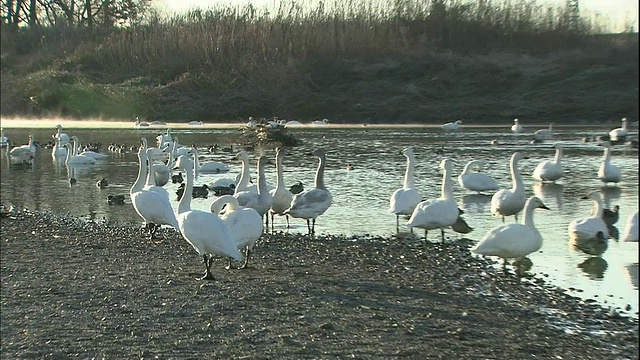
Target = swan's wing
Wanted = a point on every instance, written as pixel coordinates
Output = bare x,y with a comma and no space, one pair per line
509,241
246,198
403,201
310,203
281,200
154,208
208,234
245,226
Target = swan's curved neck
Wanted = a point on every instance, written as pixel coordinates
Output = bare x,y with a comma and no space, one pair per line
528,214
447,185
320,173
185,201
172,157
69,154
76,145
467,168
598,208
151,176
558,155
244,175
607,155
280,178
515,176
139,183
624,125
408,175
219,203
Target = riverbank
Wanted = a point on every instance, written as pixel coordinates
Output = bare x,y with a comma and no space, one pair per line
72,288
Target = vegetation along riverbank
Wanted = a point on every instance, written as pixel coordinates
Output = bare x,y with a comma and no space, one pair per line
386,62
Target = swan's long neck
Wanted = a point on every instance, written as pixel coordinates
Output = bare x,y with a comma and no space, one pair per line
598,208
262,181
408,175
172,157
558,155
528,214
624,125
69,154
142,170
244,175
280,178
320,173
447,185
607,155
151,176
467,168
196,162
515,176
185,201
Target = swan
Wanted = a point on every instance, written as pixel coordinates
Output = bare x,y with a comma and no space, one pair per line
587,228
550,170
163,172
516,127
243,183
58,150
140,123
63,137
164,139
620,133
195,123
245,224
513,240
281,195
205,231
320,122
24,150
510,202
4,140
261,201
208,167
311,203
89,153
292,123
405,199
544,134
608,172
439,213
630,232
452,125
77,159
153,207
476,181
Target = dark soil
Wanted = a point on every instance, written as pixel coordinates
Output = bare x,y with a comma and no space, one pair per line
77,289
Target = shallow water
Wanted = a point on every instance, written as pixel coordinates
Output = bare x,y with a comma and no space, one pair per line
361,196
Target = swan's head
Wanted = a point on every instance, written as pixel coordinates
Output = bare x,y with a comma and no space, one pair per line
325,120
143,141
58,126
515,120
624,119
536,203
318,153
446,165
407,151
184,162
242,155
459,122
262,161
280,152
557,146
515,157
594,195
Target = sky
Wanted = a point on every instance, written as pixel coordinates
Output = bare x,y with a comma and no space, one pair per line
619,12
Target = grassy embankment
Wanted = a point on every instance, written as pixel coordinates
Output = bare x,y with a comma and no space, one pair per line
415,63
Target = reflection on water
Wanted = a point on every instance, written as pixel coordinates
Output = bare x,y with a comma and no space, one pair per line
595,246
548,192
610,194
478,203
632,272
614,233
594,267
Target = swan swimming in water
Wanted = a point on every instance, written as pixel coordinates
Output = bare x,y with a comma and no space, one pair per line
77,159
476,181
205,231
510,202
281,196
209,167
630,232
620,133
587,228
245,224
544,134
63,137
58,151
452,125
550,170
608,173
312,203
24,150
513,241
405,199
516,128
439,213
77,146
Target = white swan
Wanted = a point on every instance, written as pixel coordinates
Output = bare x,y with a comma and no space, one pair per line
205,231
405,199
312,203
544,134
164,139
58,151
452,125
550,170
476,181
24,150
4,140
243,183
154,208
516,127
209,167
162,172
439,213
608,172
63,137
139,123
281,196
510,202
620,133
320,122
245,224
513,240
630,232
587,228
77,159
77,147
260,201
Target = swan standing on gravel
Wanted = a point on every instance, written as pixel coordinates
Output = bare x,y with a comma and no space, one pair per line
516,128
405,199
544,134
245,224
312,203
510,202
260,201
587,228
452,125
550,170
513,241
154,208
439,213
77,159
619,134
630,232
281,196
476,181
205,231
608,172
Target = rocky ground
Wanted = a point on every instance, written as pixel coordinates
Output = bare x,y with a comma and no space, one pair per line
72,288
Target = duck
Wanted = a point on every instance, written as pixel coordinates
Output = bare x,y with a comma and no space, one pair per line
261,200
510,202
115,199
245,224
619,134
177,178
77,159
209,167
63,137
461,226
102,183
281,196
311,203
404,200
544,134
516,128
440,213
197,191
513,241
587,228
204,230
608,172
153,207
452,125
476,181
610,216
630,232
348,166
296,188
223,190
550,170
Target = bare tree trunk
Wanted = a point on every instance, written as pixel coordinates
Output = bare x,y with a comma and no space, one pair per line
16,13
89,11
33,14
9,11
